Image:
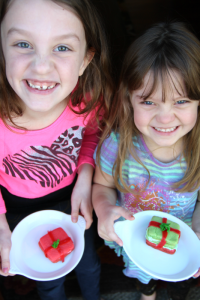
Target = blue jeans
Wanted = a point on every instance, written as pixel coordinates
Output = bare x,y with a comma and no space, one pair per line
87,271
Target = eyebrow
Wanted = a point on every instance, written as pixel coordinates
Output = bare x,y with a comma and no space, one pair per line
22,31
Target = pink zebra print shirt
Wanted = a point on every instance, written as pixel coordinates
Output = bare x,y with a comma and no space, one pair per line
39,162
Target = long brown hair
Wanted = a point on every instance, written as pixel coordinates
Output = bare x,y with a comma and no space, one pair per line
164,47
95,86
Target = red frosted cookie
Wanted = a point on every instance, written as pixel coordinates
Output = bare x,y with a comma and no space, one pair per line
56,244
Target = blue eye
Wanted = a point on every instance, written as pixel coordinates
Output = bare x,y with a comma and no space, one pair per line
181,101
23,45
148,102
62,48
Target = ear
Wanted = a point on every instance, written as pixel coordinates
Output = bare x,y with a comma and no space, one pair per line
87,59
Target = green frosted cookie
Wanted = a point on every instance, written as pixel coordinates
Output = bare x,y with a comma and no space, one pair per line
154,233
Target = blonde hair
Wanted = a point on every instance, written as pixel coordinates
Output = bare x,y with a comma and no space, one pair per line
162,48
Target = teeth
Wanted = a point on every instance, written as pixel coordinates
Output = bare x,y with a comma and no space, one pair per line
165,130
30,84
43,87
50,87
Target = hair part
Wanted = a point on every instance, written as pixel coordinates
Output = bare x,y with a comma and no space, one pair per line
162,49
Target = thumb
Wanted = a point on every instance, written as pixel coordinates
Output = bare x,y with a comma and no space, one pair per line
126,214
75,206
74,215
5,262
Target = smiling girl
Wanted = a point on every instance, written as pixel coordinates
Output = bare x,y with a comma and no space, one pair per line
54,84
148,158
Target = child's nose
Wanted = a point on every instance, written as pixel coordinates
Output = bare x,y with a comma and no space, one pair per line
42,64
165,116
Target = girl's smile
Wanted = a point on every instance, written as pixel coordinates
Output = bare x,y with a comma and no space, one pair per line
165,131
163,124
40,88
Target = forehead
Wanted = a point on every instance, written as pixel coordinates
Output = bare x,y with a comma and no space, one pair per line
162,85
42,17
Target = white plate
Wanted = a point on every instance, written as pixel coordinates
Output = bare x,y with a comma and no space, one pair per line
177,267
26,257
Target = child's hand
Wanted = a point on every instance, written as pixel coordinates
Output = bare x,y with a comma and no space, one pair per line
197,274
81,202
106,219
104,201
5,246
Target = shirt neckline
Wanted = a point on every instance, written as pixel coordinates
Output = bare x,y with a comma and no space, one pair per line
33,132
155,160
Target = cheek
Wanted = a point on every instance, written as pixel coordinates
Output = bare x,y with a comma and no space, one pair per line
190,118
137,120
14,66
68,70
141,118
68,76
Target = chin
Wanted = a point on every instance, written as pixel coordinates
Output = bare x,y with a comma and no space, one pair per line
166,144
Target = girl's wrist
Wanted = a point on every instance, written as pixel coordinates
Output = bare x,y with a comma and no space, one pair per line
3,223
85,173
102,208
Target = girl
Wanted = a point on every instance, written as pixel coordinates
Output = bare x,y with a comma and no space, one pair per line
150,149
54,71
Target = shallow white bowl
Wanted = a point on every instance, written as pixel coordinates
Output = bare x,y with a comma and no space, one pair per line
26,257
177,267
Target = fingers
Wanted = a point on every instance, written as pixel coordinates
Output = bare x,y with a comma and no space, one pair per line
109,234
75,206
197,274
83,208
106,223
87,214
86,210
74,214
114,237
126,214
5,262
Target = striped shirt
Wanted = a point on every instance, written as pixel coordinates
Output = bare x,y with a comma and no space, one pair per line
158,194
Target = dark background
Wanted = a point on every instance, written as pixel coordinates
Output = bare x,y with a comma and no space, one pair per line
125,20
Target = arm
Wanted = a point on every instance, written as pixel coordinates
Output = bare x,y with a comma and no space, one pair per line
104,198
5,245
90,141
81,195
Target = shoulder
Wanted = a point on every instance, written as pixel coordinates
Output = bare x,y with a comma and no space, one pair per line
108,153
137,142
111,143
